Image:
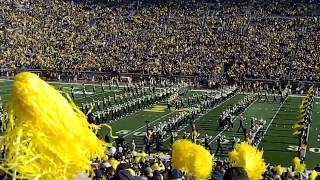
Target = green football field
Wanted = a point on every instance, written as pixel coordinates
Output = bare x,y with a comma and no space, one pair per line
279,145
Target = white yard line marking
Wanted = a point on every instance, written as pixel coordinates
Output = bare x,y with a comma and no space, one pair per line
274,116
309,126
89,96
205,114
6,85
6,89
291,95
152,122
224,129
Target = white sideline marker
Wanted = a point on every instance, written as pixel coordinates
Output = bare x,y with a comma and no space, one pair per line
274,116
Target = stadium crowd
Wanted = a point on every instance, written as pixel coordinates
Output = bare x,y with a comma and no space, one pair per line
235,40
135,166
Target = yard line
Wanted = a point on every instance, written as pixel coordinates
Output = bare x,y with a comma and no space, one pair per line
291,95
232,122
6,85
4,90
5,94
309,126
205,114
274,116
305,150
156,120
89,96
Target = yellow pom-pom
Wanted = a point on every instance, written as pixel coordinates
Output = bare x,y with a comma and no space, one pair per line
46,136
248,157
191,158
131,171
156,167
313,175
298,167
137,159
181,150
105,157
297,126
200,163
114,163
296,161
296,133
143,159
134,153
143,154
279,170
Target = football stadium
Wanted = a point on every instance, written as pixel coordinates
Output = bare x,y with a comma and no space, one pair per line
157,89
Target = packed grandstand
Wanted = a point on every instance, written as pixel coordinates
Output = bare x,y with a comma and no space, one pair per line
160,89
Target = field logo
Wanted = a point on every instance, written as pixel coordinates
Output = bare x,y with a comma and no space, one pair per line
156,108
125,132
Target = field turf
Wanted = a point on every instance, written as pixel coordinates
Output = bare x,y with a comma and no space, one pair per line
279,144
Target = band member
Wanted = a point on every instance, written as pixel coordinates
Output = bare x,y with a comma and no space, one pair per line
148,141
206,142
281,99
171,137
84,90
241,124
230,123
244,133
102,87
266,97
168,106
219,147
194,134
72,92
159,142
251,122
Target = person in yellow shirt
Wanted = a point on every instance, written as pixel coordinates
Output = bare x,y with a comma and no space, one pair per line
194,134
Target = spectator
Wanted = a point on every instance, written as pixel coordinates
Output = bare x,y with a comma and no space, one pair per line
148,173
235,173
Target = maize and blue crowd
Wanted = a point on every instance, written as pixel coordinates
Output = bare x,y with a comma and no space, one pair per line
221,41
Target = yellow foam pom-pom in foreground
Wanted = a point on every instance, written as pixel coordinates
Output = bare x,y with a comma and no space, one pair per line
248,157
46,136
191,158
201,163
181,151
